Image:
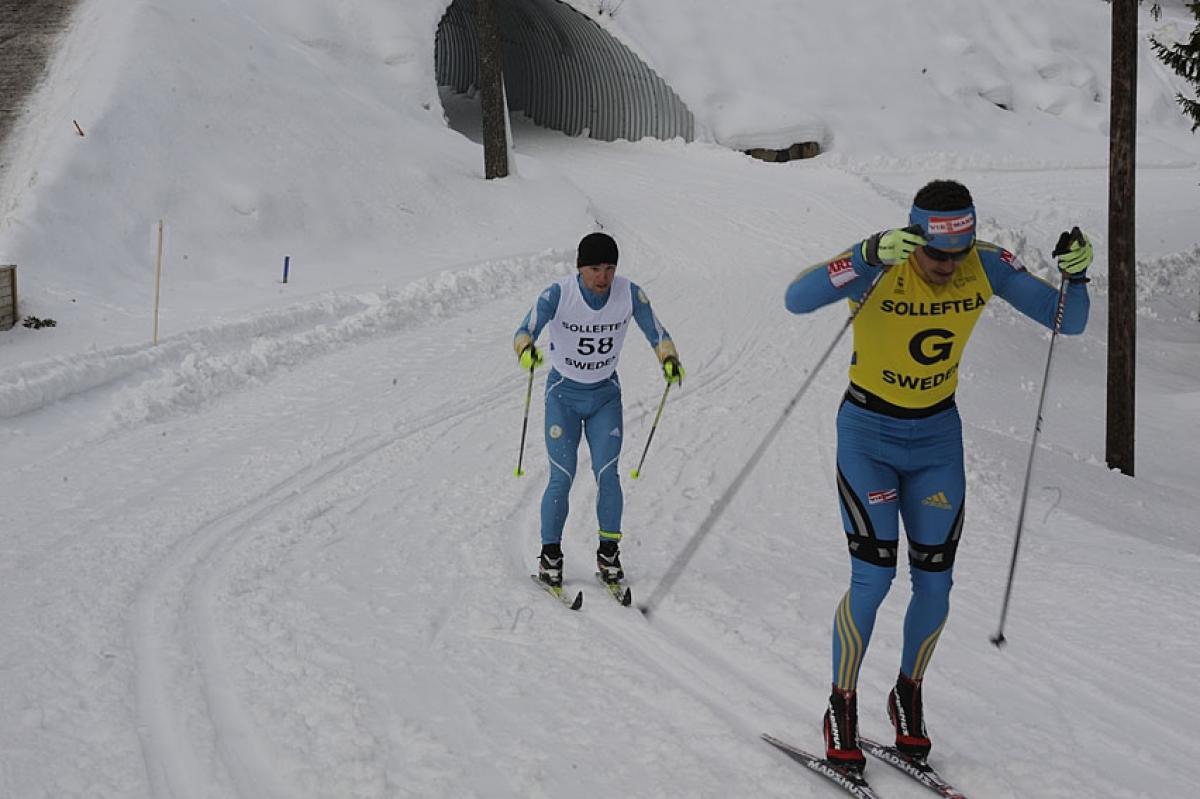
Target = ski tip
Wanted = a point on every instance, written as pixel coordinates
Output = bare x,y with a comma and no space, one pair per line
627,598
557,593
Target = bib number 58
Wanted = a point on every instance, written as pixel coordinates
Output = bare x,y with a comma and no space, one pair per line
589,345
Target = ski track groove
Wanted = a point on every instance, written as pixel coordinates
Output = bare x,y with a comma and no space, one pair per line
740,701
174,628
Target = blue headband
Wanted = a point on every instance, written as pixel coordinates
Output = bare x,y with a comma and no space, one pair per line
946,230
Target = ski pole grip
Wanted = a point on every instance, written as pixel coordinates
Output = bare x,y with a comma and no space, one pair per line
1066,239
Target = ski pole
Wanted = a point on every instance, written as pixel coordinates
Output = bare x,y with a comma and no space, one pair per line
525,422
681,560
634,474
1064,244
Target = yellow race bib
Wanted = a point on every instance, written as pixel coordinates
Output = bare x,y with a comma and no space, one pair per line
910,336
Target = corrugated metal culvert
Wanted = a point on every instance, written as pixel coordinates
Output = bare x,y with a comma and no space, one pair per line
563,71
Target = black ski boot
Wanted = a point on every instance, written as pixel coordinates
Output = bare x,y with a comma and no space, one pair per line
608,562
550,564
841,731
908,717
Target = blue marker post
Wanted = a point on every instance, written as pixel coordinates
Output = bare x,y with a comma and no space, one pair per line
287,259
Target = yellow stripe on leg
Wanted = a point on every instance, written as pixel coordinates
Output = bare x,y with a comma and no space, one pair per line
925,652
851,646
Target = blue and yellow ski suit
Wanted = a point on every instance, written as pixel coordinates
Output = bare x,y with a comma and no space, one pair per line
899,444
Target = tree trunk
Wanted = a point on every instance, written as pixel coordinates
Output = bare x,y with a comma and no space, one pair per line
495,142
1122,264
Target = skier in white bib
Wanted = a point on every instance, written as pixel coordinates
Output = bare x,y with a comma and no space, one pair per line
587,315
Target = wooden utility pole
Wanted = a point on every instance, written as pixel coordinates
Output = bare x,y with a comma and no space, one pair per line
1122,264
491,91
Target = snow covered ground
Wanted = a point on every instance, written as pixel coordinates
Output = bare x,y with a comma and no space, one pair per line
283,554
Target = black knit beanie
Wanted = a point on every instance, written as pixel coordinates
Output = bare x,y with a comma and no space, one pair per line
597,248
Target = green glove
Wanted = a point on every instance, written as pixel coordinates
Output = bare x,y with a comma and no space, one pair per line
1074,253
893,246
531,358
672,369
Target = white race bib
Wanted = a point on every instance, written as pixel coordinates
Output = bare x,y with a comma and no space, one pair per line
585,344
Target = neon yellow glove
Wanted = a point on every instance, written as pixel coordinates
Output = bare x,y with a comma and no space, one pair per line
893,246
672,370
1074,253
531,358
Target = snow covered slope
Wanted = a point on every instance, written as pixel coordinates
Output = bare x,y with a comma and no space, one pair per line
282,554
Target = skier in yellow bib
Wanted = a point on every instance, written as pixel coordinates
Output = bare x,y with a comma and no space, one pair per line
899,452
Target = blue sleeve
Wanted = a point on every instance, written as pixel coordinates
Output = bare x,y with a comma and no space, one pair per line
1033,296
643,314
846,276
543,311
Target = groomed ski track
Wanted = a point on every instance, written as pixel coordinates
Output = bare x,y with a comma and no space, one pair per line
336,515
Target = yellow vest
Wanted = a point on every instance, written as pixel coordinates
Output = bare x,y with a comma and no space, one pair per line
910,336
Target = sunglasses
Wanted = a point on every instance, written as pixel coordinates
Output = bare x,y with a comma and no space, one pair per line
942,255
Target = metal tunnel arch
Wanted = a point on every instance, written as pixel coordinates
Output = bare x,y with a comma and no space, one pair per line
563,71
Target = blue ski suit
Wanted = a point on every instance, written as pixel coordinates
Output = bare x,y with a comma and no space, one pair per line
899,435
593,410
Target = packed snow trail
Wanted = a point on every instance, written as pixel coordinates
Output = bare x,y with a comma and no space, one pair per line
309,579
